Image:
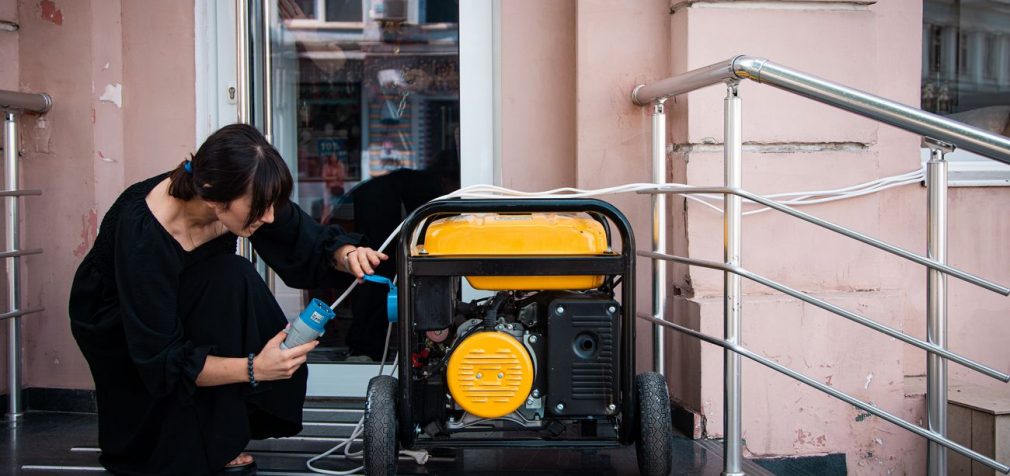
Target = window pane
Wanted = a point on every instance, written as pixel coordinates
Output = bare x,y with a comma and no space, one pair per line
966,61
297,9
343,10
368,119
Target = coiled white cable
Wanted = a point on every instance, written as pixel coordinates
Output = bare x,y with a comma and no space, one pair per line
495,192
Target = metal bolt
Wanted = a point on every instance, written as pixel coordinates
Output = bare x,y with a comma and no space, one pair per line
536,393
479,375
560,407
611,408
533,339
560,310
501,375
612,309
509,327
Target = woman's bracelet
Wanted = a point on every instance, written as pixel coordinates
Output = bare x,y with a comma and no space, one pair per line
252,375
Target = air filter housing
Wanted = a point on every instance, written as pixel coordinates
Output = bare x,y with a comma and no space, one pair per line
490,374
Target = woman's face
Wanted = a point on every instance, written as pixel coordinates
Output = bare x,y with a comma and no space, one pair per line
234,215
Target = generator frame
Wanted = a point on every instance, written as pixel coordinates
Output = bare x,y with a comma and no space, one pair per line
610,264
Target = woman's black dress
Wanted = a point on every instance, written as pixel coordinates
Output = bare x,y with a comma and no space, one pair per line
146,314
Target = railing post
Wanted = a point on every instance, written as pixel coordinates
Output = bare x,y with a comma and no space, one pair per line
936,295
732,303
659,236
15,405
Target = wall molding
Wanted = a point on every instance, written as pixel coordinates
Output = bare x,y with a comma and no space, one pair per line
57,400
841,5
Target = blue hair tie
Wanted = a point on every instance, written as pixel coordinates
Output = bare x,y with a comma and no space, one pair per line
188,167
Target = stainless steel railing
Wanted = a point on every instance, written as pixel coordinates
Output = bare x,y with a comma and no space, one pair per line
940,135
12,103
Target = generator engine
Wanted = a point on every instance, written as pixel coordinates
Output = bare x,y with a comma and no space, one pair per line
543,355
525,358
541,348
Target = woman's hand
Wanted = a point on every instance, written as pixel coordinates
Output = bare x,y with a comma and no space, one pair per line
358,261
275,363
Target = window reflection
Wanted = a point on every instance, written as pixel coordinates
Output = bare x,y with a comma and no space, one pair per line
966,61
368,111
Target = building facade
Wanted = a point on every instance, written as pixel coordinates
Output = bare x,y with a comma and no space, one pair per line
127,83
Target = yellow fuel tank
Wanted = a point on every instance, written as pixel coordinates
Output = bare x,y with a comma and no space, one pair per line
534,234
490,374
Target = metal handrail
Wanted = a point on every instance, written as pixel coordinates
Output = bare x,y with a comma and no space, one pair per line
927,262
20,312
30,102
993,146
740,350
741,271
13,103
941,135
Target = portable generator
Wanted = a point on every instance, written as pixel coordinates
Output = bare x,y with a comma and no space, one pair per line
546,360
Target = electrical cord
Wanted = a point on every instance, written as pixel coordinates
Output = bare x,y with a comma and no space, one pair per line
419,456
484,191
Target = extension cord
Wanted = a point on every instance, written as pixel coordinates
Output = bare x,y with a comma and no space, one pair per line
484,191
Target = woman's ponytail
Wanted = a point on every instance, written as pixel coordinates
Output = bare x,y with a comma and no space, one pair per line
182,185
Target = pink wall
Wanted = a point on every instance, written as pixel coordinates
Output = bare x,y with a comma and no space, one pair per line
122,78
612,146
538,94
791,144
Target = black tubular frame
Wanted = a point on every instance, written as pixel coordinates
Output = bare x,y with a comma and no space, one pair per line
611,264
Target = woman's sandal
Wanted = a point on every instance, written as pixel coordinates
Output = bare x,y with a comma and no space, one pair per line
248,469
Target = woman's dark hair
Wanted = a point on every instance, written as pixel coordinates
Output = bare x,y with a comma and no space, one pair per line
234,160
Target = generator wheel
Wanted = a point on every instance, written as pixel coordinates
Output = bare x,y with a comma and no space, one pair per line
379,436
655,425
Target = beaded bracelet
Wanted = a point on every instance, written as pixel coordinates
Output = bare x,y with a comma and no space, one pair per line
252,376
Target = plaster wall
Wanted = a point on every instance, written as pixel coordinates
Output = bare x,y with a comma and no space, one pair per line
794,144
619,45
791,144
121,77
538,94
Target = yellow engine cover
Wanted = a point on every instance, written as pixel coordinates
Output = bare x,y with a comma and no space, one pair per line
534,234
490,374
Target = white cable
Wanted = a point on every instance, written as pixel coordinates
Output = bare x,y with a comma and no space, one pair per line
495,192
420,456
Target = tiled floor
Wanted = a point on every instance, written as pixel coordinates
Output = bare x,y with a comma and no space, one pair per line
66,443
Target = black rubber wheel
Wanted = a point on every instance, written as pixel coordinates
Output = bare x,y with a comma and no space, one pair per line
380,426
655,425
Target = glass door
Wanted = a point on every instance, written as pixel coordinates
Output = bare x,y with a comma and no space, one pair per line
365,107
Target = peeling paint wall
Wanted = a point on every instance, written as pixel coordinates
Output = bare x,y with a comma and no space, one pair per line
121,77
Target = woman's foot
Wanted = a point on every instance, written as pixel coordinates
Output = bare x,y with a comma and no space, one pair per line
242,465
242,459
